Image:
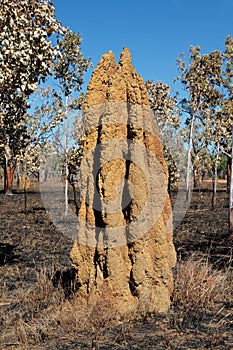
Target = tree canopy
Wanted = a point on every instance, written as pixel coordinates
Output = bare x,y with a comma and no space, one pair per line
33,45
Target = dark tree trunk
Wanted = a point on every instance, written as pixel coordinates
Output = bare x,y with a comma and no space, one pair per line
8,179
228,173
9,169
75,196
230,232
195,178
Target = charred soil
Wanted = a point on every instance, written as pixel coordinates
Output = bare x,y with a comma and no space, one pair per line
38,308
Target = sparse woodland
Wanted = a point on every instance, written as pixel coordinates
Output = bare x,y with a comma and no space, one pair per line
42,70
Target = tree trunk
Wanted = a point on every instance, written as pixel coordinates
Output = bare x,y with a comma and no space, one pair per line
231,193
215,178
215,174
25,190
189,163
195,178
8,179
72,183
66,190
66,159
228,173
9,170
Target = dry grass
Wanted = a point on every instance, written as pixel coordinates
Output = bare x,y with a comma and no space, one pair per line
201,290
198,286
42,318
46,317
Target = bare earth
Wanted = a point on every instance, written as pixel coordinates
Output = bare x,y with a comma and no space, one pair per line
39,311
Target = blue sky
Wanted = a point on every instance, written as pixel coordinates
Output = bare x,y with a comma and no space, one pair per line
156,32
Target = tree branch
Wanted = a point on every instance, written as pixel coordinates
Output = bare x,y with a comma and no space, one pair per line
227,154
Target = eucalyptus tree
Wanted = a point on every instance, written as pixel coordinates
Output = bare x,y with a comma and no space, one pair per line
208,80
227,107
57,107
227,112
69,71
44,116
167,116
201,79
26,52
220,120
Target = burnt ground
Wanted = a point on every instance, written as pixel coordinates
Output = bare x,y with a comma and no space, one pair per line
33,251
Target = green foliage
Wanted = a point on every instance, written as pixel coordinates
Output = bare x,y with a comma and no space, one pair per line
72,64
164,106
34,45
26,54
167,116
208,108
222,167
201,78
228,60
55,115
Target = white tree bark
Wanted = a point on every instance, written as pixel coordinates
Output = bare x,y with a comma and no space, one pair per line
189,162
231,192
66,158
215,178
